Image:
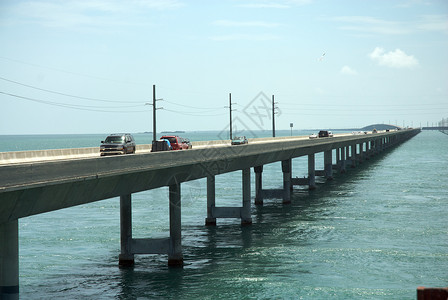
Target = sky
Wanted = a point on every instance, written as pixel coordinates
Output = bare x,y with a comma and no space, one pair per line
89,66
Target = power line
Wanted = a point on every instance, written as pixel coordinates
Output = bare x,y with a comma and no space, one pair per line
66,95
194,114
76,106
194,107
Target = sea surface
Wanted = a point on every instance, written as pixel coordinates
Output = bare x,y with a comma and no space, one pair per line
376,232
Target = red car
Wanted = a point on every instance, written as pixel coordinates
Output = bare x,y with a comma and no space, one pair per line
177,143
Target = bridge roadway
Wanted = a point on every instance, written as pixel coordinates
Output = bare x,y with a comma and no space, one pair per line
30,185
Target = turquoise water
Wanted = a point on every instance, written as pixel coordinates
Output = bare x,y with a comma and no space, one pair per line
377,232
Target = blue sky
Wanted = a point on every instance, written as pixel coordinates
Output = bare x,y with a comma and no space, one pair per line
89,66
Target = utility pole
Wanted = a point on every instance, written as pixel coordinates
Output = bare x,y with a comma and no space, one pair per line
273,116
230,110
154,138
154,108
230,107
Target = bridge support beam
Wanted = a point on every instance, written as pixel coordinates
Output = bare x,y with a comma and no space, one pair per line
353,156
342,165
246,218
126,257
311,172
210,220
361,152
258,185
286,169
243,212
175,257
284,193
328,164
9,260
171,246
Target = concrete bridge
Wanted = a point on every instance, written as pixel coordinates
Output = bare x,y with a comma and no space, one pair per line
35,182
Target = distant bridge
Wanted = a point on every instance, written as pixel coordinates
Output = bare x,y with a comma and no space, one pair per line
435,128
66,178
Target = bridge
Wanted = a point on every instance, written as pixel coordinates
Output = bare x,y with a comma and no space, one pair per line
441,128
35,182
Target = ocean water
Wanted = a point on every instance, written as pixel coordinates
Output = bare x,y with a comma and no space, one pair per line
376,232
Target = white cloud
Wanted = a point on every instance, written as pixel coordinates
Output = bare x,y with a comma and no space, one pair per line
90,14
245,37
434,23
275,4
228,23
393,59
346,70
370,25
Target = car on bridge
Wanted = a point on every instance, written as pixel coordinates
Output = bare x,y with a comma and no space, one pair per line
325,133
177,142
118,143
239,140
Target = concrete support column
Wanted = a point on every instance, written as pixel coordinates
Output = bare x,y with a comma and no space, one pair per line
258,185
353,157
245,210
328,163
210,220
126,257
311,172
286,168
175,257
338,156
9,260
368,148
342,166
347,155
361,152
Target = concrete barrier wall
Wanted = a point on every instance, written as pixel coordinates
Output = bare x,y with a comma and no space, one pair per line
37,155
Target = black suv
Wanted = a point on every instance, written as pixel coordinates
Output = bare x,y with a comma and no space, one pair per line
325,133
119,143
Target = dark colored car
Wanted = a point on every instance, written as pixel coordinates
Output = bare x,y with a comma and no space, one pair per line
177,143
239,140
160,145
325,133
119,143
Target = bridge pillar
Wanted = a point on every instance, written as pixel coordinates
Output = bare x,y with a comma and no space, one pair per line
353,157
258,185
286,169
338,157
214,212
361,152
343,161
9,260
210,220
328,164
126,257
368,150
175,257
246,218
347,156
311,172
